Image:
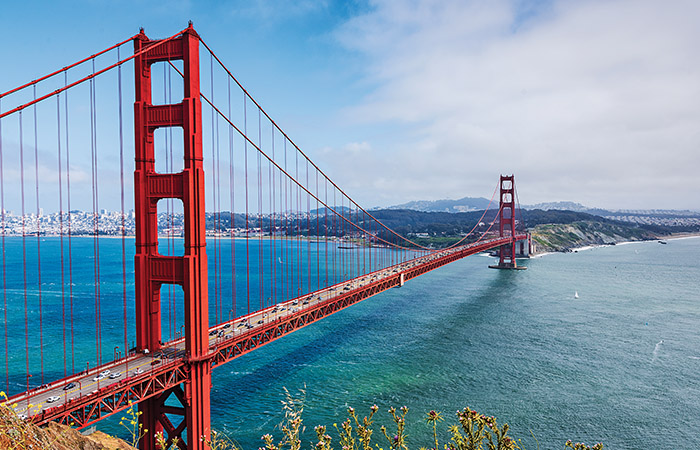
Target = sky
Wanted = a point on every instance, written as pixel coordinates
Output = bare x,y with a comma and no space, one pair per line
591,101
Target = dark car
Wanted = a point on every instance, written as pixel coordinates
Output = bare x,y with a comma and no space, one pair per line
68,386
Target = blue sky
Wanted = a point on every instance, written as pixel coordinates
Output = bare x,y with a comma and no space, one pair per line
590,101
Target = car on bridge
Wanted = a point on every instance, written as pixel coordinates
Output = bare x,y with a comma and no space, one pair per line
115,375
68,386
52,399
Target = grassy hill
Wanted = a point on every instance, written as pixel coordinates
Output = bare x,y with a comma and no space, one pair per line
565,236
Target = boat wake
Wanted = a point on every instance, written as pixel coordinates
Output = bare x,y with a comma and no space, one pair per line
655,354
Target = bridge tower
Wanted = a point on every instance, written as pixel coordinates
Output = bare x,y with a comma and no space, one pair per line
153,269
506,225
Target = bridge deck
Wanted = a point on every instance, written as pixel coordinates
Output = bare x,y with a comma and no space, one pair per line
88,397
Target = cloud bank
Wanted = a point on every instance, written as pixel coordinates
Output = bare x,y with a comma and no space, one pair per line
590,101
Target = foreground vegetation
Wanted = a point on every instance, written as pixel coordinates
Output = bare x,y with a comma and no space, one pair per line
472,431
19,434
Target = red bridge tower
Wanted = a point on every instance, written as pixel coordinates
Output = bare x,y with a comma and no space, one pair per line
506,225
153,269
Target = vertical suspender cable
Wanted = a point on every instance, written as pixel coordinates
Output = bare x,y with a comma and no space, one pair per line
273,240
370,243
24,248
334,272
281,255
231,182
213,191
247,232
287,264
96,208
283,219
123,220
358,245
217,192
308,230
60,233
343,269
298,213
4,265
94,214
318,239
260,214
70,233
38,238
325,230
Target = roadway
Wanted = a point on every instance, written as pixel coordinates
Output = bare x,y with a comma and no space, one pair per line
144,365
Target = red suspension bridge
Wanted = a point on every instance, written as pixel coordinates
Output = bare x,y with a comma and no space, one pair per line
278,246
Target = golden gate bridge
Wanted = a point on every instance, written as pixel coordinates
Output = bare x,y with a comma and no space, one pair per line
278,246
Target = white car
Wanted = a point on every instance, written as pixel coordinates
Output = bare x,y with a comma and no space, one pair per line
138,370
104,373
98,377
115,375
52,399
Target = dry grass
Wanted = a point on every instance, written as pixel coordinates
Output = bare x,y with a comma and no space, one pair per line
472,431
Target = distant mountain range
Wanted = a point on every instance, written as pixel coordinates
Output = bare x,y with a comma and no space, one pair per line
465,204
468,204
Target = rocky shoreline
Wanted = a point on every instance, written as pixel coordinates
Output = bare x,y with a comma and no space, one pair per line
569,237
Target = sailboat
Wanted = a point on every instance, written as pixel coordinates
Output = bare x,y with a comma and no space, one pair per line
575,294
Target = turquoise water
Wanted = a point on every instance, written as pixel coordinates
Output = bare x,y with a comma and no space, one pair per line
69,311
516,345
619,364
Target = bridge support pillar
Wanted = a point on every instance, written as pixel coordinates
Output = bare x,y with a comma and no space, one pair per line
153,269
506,227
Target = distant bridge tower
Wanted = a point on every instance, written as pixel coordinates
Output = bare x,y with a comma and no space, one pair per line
506,225
153,269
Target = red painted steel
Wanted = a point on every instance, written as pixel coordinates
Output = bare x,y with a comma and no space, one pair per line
85,79
161,381
70,66
151,268
185,375
507,220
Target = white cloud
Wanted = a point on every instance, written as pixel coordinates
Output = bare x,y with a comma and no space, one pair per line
591,101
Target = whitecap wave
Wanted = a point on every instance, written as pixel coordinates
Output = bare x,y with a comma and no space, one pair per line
655,353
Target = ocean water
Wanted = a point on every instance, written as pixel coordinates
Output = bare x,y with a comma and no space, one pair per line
619,365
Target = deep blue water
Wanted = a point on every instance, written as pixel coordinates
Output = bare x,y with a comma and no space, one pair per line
620,364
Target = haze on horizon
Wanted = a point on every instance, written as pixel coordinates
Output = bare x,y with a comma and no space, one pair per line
594,101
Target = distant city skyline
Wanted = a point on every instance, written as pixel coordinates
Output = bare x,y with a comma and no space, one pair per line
593,102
